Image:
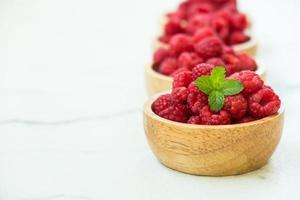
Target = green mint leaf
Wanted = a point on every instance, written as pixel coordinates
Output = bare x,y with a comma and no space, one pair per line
204,84
217,77
216,100
232,87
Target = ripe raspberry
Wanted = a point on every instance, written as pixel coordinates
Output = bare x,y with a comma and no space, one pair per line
177,113
160,55
168,66
216,62
162,103
210,118
251,81
203,33
173,26
194,120
220,25
182,79
179,94
237,37
246,62
245,119
196,100
202,69
179,70
189,60
228,49
232,63
238,21
196,22
209,47
180,43
236,106
264,103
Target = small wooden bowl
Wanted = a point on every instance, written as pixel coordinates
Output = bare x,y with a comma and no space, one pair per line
212,150
156,82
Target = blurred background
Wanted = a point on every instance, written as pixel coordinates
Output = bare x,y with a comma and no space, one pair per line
71,96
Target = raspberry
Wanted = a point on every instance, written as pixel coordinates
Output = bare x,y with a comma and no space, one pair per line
229,50
168,66
202,69
209,118
160,55
245,119
236,106
196,100
237,37
175,113
251,81
246,62
220,25
209,47
180,43
179,70
172,27
196,22
162,103
189,60
238,21
202,33
194,120
232,63
264,103
179,94
182,79
216,61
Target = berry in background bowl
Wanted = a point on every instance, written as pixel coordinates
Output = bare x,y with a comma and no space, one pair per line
184,53
214,125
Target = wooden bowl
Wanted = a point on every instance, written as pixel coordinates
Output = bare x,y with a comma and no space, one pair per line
156,82
212,150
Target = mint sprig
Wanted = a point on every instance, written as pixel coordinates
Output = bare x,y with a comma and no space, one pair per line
217,87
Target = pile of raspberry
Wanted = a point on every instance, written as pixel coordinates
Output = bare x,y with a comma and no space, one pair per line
184,52
220,16
187,104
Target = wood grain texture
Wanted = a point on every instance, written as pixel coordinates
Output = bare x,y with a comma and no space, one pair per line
156,82
212,150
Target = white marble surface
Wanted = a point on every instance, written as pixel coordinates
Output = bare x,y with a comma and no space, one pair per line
71,92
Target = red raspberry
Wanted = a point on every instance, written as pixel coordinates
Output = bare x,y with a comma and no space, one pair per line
246,119
180,43
203,33
236,106
232,63
162,103
238,21
229,50
175,113
179,94
173,26
216,62
196,100
264,103
182,79
246,62
189,60
194,120
237,37
251,81
209,47
168,66
210,118
196,22
179,70
220,25
160,55
165,38
203,69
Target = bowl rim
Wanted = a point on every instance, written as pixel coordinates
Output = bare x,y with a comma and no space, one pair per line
147,110
261,70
